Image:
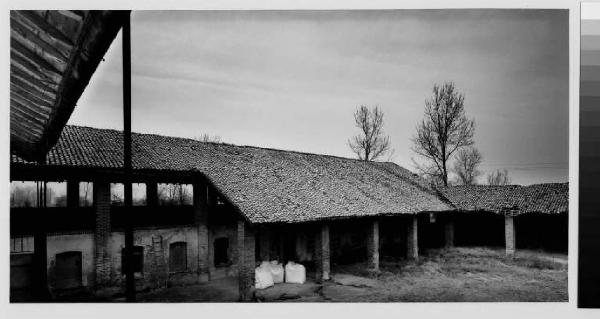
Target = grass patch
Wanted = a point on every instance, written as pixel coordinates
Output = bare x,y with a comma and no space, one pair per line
466,274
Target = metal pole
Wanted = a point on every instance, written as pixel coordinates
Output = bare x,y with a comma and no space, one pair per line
129,279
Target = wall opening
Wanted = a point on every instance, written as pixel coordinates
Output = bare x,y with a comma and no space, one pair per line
221,249
178,256
68,270
86,194
138,259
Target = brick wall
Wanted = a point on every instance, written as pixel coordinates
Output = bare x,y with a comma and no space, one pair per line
246,260
322,252
201,222
449,233
102,258
373,245
509,235
412,240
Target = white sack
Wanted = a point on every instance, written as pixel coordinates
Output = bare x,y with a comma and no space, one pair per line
263,276
295,273
276,271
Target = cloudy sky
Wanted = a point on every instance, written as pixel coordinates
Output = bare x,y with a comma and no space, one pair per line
292,79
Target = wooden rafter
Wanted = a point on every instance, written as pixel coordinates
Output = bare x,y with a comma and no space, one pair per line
20,60
53,56
41,23
43,107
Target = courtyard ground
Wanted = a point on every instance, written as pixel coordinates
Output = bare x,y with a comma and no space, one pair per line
444,275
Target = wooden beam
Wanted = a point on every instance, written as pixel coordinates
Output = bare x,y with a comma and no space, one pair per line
39,39
77,15
23,63
32,126
42,93
35,50
38,21
70,27
31,102
34,80
17,133
25,132
15,107
29,170
34,58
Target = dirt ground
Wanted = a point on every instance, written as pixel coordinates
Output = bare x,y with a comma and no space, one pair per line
445,275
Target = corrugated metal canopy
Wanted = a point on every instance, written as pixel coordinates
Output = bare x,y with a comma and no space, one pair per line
53,55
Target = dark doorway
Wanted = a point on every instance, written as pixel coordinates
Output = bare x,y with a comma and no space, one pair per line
348,240
392,237
221,252
138,259
431,231
548,232
68,270
479,229
289,246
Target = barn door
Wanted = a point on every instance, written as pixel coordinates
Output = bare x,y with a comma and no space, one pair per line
68,270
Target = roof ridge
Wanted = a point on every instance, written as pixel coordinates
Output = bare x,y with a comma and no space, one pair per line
513,185
231,144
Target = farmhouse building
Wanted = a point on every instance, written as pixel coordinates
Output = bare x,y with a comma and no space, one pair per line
235,206
534,216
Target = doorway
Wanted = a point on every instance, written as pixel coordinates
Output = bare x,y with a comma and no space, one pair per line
68,270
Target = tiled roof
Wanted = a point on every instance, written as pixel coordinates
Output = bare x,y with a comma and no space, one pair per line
539,198
266,185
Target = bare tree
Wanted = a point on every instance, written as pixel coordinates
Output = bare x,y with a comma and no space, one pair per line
85,194
370,143
174,194
430,173
465,167
23,194
208,138
499,177
444,130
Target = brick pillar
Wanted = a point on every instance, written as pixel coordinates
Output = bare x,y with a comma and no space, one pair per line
322,253
102,260
246,260
412,251
373,246
265,244
201,222
211,204
509,235
449,233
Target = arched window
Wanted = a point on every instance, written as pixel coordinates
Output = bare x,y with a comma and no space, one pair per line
178,256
